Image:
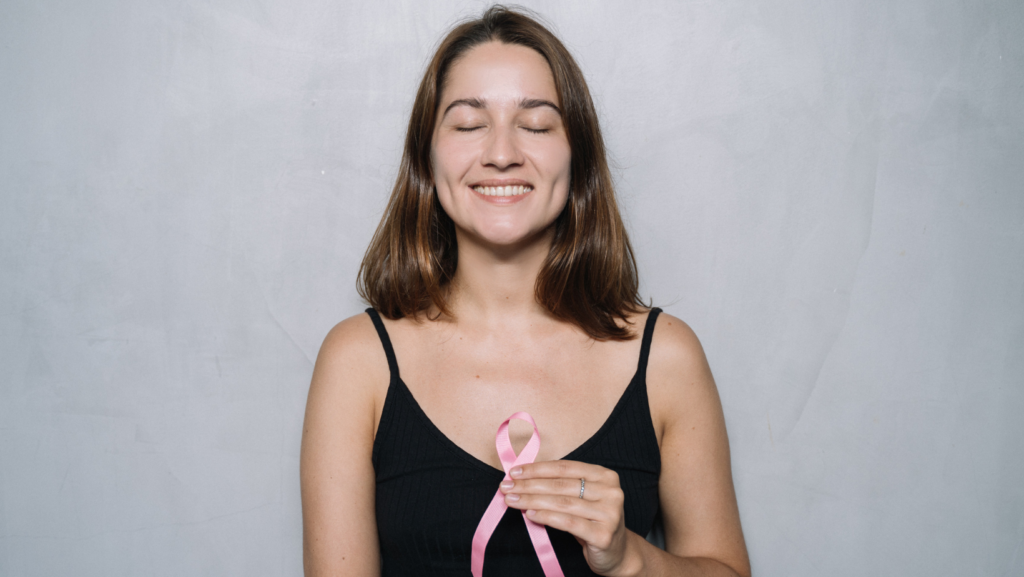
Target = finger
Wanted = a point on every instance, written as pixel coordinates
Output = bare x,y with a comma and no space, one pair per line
575,506
570,487
579,527
565,469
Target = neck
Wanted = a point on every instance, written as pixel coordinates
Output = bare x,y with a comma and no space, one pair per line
495,284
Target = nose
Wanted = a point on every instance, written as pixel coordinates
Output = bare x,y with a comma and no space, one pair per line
502,149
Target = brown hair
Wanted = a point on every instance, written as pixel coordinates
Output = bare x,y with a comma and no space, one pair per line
589,277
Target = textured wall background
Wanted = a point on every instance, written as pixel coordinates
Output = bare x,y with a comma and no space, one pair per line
829,192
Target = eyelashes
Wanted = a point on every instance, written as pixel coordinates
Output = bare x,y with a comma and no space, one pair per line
526,128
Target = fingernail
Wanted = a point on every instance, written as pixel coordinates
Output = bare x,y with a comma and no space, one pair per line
530,513
512,497
508,484
516,472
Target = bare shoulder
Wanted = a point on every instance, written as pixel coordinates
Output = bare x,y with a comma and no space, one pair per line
675,350
351,372
679,379
353,344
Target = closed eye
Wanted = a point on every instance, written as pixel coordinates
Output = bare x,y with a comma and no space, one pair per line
537,130
467,128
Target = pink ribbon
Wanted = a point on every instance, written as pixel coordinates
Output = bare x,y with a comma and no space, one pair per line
496,510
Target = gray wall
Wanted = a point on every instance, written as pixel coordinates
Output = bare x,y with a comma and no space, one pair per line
829,192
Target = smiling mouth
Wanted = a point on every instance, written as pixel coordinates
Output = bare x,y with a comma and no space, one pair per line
502,190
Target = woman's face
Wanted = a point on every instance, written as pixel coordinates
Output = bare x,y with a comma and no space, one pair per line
500,155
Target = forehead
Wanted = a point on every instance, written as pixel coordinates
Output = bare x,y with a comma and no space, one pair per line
496,72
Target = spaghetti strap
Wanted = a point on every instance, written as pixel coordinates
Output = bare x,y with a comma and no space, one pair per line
645,345
385,340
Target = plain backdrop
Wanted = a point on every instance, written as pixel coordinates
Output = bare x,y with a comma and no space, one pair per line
829,192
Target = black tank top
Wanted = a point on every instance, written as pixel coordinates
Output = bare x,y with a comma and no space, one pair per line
431,493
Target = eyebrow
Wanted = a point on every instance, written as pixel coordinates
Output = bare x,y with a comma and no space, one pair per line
524,104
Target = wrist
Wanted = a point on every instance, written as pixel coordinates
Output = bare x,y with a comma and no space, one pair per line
634,561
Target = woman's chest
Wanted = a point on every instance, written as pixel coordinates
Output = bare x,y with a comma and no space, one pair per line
467,386
429,501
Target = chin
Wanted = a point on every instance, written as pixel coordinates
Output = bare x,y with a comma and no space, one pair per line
501,239
509,238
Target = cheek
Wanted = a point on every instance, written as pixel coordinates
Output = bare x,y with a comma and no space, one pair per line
436,170
561,166
441,175
565,176
448,161
557,157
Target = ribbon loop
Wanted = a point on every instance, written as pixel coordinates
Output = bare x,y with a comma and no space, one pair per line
496,510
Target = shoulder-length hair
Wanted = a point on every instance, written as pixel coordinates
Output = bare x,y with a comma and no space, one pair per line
589,277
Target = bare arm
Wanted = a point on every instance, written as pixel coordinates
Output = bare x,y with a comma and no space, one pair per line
337,477
702,523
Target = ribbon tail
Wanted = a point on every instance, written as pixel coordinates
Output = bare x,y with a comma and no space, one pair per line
488,523
545,551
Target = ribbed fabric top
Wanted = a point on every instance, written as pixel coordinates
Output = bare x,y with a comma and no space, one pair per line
431,493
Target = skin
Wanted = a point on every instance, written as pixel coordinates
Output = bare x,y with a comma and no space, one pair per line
505,353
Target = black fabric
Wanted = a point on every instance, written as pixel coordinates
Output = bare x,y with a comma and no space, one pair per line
431,493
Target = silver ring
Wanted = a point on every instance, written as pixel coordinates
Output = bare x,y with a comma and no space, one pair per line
583,484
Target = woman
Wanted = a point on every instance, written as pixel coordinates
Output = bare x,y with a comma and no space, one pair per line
502,281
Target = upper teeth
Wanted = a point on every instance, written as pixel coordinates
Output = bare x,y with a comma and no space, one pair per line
502,190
